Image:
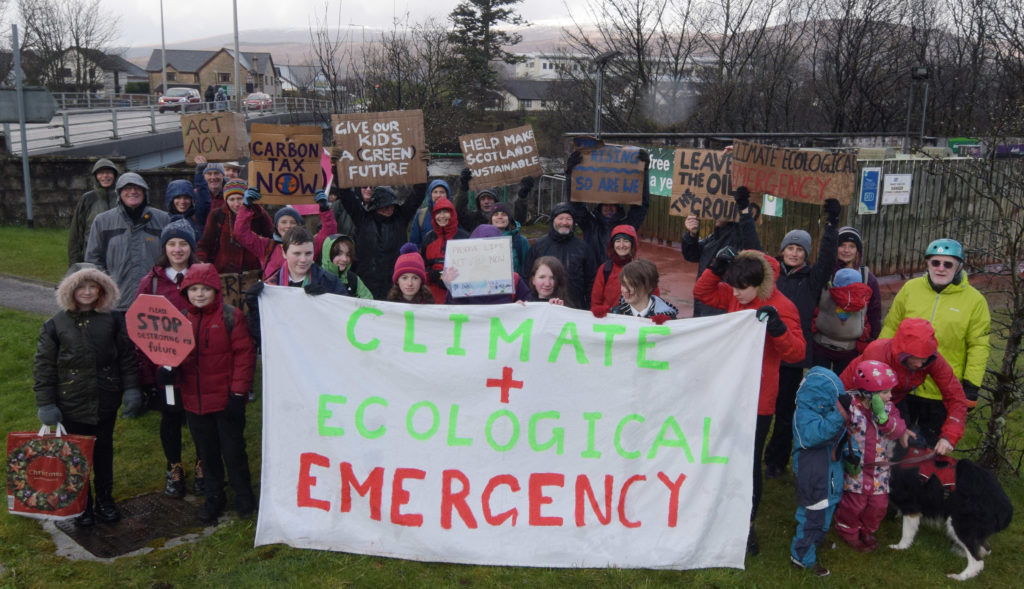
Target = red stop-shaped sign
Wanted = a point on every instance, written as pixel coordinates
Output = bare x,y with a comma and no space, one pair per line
160,330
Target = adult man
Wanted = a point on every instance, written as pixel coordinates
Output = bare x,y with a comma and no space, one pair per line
124,242
485,201
101,198
575,255
209,184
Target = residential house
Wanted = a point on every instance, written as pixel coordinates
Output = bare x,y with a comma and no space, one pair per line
200,69
92,70
528,94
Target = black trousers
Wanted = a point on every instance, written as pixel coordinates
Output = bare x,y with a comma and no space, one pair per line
102,456
172,418
764,423
780,446
222,435
925,416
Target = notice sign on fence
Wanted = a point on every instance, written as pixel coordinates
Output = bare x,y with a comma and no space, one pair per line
609,174
484,266
701,186
221,137
380,148
896,189
794,174
502,158
285,164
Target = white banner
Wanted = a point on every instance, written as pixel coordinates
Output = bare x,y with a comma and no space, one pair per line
506,435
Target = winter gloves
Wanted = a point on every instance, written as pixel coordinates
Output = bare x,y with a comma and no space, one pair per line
132,403
250,196
320,198
878,410
970,390
742,198
164,376
644,156
315,289
851,464
721,262
574,159
49,414
832,211
600,311
776,326
464,178
236,405
526,186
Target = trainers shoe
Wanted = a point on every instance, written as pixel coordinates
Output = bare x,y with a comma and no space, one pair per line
108,513
175,486
817,569
86,520
199,486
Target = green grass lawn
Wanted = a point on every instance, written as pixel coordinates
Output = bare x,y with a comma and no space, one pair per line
228,558
41,253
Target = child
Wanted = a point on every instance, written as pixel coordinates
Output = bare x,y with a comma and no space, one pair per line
820,448
841,328
875,424
215,380
445,228
501,217
622,249
638,281
299,268
409,278
548,282
337,256
268,250
84,360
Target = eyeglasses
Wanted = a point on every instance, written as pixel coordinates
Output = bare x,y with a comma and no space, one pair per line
944,263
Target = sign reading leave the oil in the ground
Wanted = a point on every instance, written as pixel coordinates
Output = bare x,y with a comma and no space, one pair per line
380,148
609,174
159,329
794,174
221,137
285,164
502,158
701,185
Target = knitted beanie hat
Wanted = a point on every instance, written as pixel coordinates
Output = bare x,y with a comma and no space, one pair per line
851,234
410,261
846,277
797,237
214,167
290,211
179,228
234,187
502,207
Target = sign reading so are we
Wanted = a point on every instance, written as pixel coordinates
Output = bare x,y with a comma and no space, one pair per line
610,174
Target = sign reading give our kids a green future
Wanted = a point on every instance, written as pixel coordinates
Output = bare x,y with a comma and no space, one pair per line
531,435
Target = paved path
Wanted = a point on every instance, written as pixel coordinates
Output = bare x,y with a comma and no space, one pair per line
27,296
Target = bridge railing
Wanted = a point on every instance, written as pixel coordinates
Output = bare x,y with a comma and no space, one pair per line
89,100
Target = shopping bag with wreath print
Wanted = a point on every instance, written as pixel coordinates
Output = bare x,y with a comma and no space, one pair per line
48,474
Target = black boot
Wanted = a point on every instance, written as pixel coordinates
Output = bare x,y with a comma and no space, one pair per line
86,520
211,510
107,512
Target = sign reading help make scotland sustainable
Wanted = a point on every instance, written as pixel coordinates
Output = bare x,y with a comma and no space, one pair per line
285,164
502,158
484,266
794,174
220,137
609,174
702,186
529,435
380,148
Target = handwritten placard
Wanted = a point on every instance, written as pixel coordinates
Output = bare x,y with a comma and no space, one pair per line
794,174
484,266
609,174
234,286
380,148
701,185
502,158
285,164
220,137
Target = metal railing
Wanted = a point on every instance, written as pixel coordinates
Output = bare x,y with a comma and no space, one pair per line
90,100
69,128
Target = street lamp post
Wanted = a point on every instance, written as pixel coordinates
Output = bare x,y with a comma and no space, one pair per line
918,73
600,63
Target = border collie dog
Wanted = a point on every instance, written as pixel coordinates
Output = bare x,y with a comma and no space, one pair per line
958,494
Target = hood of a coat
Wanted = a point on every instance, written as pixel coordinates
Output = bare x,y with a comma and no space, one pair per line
558,209
77,275
771,271
628,230
205,274
430,188
325,253
175,189
820,390
914,337
449,230
99,165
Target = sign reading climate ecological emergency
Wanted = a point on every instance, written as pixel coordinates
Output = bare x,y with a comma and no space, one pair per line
285,164
507,435
794,174
380,148
502,158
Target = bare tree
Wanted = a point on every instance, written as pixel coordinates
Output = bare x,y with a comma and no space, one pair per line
329,56
56,30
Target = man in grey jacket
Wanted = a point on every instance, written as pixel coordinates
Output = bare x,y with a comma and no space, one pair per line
124,242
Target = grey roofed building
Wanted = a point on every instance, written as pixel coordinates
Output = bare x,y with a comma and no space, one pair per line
529,94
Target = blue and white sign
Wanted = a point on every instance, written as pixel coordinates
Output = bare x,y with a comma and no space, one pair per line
869,184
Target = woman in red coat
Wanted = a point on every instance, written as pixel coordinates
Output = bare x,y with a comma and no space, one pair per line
445,227
747,281
218,245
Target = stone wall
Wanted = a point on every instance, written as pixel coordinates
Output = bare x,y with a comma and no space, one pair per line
58,182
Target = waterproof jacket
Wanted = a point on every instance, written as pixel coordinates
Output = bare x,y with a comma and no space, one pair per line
379,238
819,440
741,235
124,249
597,229
422,223
876,443
788,347
353,285
434,245
219,247
607,290
803,285
223,361
916,337
200,208
960,316
471,219
84,359
214,201
575,255
267,249
520,245
90,204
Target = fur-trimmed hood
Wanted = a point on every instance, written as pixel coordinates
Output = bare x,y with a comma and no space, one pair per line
77,275
771,271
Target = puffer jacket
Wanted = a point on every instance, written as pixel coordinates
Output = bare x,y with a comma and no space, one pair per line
124,249
434,245
607,290
267,249
422,223
90,204
520,245
353,285
200,208
788,347
741,235
803,286
916,337
876,443
819,439
84,359
221,362
219,247
575,255
960,316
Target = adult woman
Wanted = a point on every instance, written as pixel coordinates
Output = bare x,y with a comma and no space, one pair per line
548,281
218,245
501,217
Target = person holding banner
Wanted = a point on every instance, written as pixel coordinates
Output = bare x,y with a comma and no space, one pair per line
521,289
84,362
736,282
575,256
422,224
445,228
409,278
269,249
485,201
101,198
300,270
739,236
218,245
501,217
639,280
623,248
548,282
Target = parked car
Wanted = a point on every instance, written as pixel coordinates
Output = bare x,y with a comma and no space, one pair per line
176,98
259,101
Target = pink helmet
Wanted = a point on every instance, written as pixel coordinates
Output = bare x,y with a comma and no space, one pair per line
874,376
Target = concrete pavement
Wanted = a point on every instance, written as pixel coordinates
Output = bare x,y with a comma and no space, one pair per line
25,295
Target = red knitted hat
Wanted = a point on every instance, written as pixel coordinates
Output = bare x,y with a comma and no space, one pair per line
409,261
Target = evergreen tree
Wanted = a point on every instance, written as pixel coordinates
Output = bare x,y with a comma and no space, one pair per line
478,41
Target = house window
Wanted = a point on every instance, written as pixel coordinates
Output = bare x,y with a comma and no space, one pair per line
525,103
223,77
170,76
65,72
195,78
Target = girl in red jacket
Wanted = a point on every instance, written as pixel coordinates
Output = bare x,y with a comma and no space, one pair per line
215,380
445,227
735,282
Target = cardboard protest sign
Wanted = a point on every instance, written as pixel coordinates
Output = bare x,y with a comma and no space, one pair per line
221,137
502,158
161,331
564,441
233,287
701,186
609,174
660,172
484,266
380,148
285,164
794,174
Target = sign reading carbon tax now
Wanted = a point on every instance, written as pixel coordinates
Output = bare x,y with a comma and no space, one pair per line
285,164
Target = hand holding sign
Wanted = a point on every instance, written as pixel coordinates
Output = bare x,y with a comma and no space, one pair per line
161,332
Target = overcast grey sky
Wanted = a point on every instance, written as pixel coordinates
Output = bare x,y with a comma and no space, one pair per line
193,19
